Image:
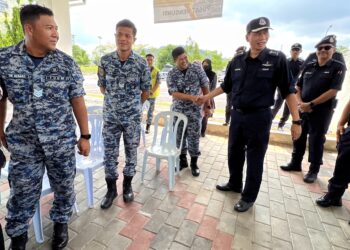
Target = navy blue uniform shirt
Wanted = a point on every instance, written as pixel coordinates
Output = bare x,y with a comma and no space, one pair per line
315,80
253,82
294,67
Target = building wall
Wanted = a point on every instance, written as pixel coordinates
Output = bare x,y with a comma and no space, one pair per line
60,9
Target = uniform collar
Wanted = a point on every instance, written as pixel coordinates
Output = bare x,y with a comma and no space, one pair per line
131,56
328,64
20,49
261,57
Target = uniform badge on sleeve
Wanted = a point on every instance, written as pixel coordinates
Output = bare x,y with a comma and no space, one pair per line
101,71
38,92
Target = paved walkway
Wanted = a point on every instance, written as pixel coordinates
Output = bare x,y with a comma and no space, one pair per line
197,216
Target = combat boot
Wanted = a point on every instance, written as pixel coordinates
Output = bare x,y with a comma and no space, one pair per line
60,236
147,128
128,194
194,166
183,161
111,193
19,242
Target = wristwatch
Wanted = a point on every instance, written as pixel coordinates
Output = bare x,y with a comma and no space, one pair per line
297,122
86,137
311,104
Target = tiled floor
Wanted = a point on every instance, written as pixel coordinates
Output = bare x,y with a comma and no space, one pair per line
197,216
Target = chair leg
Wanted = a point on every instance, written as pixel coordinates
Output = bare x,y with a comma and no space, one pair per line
76,208
158,165
143,135
38,225
89,186
171,173
144,166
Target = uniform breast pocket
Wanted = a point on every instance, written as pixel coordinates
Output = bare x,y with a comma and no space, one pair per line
236,79
18,90
264,76
132,84
56,91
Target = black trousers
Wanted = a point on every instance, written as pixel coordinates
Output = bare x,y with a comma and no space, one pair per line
248,137
285,116
315,125
277,105
341,175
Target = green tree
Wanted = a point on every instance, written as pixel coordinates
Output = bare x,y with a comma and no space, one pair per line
192,50
164,56
80,56
343,49
101,50
11,30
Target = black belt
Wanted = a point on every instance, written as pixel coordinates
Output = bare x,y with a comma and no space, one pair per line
250,110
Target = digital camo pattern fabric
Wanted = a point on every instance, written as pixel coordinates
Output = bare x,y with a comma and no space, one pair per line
122,107
41,133
190,83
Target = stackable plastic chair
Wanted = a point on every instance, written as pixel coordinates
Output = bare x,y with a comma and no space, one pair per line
145,107
87,165
164,143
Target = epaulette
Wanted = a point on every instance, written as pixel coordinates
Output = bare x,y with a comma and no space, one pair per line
239,53
339,62
273,52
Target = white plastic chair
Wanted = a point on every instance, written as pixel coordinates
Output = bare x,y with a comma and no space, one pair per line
165,147
145,107
86,165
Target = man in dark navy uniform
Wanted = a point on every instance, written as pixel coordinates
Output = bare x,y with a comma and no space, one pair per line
341,175
317,89
294,65
252,77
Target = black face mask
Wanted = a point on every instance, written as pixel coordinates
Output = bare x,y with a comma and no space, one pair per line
206,68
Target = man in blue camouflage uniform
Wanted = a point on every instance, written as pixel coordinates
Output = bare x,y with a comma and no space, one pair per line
124,79
44,85
185,83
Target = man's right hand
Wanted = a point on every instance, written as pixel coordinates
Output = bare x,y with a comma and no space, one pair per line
340,131
202,99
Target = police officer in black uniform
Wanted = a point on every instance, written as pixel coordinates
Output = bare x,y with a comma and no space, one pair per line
294,65
341,175
317,89
252,77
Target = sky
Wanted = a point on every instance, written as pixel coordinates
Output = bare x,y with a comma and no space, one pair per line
303,21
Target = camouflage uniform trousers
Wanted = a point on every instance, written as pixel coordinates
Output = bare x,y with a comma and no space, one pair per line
112,133
152,102
25,179
192,133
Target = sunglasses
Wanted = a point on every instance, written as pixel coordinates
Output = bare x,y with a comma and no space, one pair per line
295,49
327,47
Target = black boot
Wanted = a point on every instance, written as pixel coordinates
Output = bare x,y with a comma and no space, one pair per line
19,242
111,193
147,128
183,161
60,236
194,166
292,166
128,194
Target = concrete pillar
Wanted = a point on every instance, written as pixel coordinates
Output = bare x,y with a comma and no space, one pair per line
60,9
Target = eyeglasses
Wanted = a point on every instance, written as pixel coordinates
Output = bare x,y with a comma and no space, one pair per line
327,47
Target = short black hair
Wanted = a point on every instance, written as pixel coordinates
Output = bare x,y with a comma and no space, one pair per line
149,54
127,23
32,12
177,52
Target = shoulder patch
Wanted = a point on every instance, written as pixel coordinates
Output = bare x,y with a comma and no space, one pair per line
273,52
101,72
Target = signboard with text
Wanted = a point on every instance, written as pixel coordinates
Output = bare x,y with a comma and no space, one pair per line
185,10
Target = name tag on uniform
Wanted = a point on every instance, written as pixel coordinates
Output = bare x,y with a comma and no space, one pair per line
38,92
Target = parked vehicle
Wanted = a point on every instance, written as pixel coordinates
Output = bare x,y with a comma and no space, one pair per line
165,70
221,75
